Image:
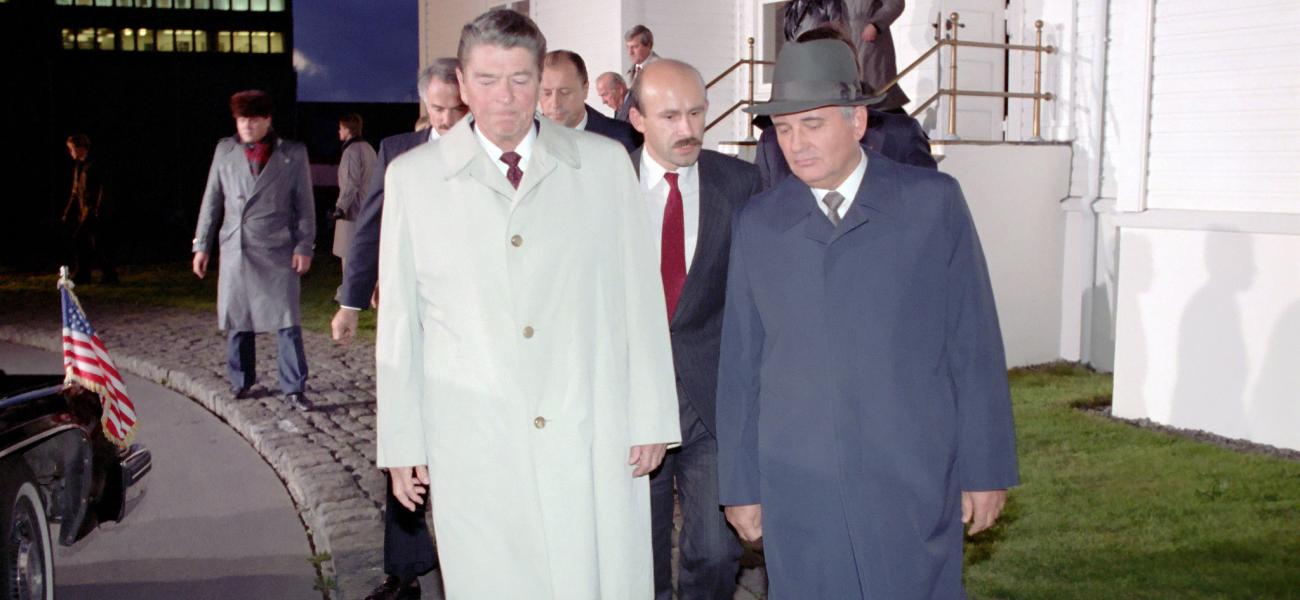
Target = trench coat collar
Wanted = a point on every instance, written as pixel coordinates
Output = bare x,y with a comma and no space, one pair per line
274,167
463,153
877,199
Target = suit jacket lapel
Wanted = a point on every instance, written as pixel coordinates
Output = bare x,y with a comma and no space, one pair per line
553,146
464,153
274,166
713,219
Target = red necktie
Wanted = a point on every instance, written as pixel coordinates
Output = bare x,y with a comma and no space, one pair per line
513,174
672,256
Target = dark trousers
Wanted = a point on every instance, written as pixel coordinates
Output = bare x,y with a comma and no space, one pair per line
710,550
241,360
408,547
92,251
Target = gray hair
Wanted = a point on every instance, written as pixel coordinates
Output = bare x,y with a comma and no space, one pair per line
504,28
641,32
612,76
441,69
635,92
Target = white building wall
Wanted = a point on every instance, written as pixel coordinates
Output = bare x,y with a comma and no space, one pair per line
594,33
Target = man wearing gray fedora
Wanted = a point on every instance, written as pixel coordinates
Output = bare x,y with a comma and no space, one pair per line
863,413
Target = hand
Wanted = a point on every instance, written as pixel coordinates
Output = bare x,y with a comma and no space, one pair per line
747,519
646,458
374,298
870,33
200,266
981,509
301,264
338,214
409,485
344,325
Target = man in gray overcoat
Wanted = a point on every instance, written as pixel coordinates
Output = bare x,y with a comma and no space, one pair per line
869,23
863,413
258,204
355,168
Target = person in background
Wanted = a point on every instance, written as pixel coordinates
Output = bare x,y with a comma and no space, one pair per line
258,206
869,21
355,168
87,213
613,93
564,95
408,546
640,44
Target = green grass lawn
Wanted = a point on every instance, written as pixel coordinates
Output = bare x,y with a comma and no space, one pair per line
1106,510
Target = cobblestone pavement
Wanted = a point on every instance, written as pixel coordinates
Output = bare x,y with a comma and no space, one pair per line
326,457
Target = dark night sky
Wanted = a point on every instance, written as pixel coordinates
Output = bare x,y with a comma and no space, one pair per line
356,50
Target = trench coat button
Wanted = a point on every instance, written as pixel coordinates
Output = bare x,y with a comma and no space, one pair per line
528,332
516,241
539,422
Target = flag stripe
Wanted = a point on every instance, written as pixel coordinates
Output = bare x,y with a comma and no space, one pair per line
87,362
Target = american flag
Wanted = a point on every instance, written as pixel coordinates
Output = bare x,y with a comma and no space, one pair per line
87,363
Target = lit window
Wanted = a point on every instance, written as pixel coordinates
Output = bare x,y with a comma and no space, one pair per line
202,4
277,42
223,41
277,5
164,3
238,4
258,5
128,39
144,40
85,3
184,4
261,42
221,4
241,42
103,2
106,39
63,2
184,40
86,39
69,39
144,3
200,41
165,41
125,3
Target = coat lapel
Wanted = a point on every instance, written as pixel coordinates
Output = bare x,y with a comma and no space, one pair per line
713,220
554,145
275,165
877,198
463,153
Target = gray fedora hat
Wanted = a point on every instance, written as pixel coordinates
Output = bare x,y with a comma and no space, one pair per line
812,75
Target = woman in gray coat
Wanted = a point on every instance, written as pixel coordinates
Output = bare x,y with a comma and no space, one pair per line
258,205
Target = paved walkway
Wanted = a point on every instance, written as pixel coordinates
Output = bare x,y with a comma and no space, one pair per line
326,458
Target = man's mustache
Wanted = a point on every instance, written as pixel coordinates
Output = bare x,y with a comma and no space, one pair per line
688,142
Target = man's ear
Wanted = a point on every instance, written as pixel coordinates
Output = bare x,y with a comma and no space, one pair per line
637,120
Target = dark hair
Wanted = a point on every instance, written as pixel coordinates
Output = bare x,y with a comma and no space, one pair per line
504,28
641,32
814,13
351,122
556,57
79,140
251,103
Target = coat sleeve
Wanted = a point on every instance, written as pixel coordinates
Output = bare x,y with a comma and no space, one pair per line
652,385
212,209
352,184
360,270
738,382
399,345
986,441
885,15
304,207
918,147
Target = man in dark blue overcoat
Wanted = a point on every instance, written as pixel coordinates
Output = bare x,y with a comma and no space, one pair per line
862,410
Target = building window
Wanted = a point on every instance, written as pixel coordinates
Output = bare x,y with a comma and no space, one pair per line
164,41
202,4
240,42
261,43
238,4
86,39
69,39
144,40
106,39
200,41
258,5
164,3
223,41
144,3
277,42
184,4
276,5
221,4
103,2
128,39
184,40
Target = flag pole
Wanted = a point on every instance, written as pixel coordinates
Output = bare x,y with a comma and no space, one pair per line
64,281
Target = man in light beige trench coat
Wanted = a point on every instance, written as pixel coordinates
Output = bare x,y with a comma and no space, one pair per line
523,350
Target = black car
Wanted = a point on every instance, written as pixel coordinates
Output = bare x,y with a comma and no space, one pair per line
55,466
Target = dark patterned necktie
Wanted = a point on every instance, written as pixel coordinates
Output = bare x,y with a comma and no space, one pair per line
672,251
832,200
514,173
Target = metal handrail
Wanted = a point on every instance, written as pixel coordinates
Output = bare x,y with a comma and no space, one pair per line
953,23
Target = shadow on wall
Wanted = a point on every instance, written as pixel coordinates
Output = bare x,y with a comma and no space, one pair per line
1135,253
1209,392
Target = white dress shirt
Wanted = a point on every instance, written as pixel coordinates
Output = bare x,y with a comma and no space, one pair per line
848,189
582,125
654,188
433,134
524,149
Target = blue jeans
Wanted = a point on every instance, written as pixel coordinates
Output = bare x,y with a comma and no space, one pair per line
241,360
710,550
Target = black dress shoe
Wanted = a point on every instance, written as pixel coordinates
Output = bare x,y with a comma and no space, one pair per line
242,393
298,401
392,589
